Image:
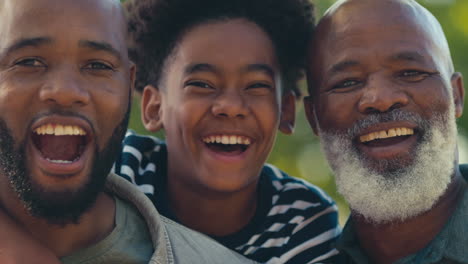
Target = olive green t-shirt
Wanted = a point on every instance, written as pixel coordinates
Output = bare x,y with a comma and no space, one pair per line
128,243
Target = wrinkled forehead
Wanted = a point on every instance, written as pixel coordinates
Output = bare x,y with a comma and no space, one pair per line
355,29
34,18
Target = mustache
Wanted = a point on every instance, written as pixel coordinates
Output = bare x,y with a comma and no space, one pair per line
64,113
396,115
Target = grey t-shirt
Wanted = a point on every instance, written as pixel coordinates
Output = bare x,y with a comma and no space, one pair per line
128,243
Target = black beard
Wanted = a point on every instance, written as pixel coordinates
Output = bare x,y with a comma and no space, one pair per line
57,207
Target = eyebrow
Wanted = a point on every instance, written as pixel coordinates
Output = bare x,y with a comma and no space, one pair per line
100,46
410,56
342,66
206,67
260,67
26,42
200,67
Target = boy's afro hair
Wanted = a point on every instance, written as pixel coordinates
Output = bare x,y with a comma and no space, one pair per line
155,27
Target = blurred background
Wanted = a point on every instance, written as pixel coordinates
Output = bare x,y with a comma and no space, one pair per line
300,155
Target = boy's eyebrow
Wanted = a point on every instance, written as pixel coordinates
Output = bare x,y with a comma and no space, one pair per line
24,43
261,67
200,67
206,67
100,46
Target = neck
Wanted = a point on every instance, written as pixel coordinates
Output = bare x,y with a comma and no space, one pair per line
93,226
386,243
211,212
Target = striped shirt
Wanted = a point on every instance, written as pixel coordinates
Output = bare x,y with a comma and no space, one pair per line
295,221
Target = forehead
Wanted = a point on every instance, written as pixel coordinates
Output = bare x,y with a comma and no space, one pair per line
360,42
99,20
369,35
231,42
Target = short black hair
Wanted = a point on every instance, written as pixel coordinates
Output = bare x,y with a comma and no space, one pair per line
156,26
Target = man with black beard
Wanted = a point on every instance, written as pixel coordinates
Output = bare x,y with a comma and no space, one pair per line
384,99
65,86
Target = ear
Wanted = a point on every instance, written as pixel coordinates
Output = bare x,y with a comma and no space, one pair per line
310,114
458,93
151,111
288,113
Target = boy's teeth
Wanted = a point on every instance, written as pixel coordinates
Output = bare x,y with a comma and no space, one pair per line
393,132
60,130
227,140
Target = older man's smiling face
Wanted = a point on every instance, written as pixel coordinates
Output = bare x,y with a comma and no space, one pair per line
384,104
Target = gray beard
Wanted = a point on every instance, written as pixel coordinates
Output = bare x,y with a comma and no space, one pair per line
394,190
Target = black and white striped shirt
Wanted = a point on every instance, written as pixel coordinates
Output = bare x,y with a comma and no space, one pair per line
295,221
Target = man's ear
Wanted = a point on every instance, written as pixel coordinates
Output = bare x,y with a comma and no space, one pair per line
458,93
310,114
288,112
151,111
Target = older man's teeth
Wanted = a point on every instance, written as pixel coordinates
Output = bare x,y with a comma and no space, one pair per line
227,140
60,130
393,132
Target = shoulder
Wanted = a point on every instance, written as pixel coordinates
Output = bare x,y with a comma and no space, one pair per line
141,160
189,246
303,217
288,189
141,143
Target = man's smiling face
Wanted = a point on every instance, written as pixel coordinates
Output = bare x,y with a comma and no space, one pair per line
384,104
65,83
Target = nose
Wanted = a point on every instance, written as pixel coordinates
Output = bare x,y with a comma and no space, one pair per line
230,104
382,95
65,87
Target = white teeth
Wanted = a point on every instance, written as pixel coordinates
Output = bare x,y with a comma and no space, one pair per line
60,161
59,130
227,140
393,132
49,129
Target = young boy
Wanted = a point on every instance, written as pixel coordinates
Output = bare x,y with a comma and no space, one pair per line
220,78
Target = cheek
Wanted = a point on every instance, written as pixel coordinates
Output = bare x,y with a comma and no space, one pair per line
180,119
111,108
431,99
337,111
267,115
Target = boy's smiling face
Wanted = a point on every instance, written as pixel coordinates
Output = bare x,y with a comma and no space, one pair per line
219,102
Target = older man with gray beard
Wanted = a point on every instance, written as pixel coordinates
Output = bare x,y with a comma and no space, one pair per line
384,99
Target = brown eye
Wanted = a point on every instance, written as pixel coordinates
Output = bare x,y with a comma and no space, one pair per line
98,66
199,84
259,85
345,86
30,62
413,75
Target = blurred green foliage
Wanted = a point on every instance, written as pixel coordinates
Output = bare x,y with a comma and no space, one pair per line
300,154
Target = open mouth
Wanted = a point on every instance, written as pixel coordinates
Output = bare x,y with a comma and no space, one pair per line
60,144
227,144
386,137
